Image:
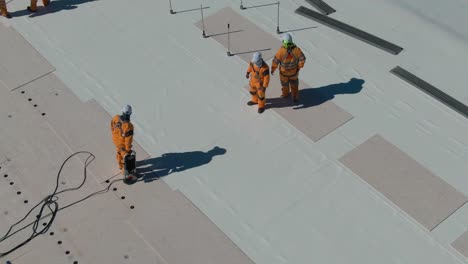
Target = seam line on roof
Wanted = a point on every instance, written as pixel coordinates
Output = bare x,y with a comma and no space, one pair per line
443,220
24,84
146,242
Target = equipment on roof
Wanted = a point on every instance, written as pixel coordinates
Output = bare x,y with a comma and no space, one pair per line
130,173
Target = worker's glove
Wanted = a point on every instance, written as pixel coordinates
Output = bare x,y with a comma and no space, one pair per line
247,75
272,73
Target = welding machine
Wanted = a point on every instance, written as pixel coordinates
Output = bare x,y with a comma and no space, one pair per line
130,174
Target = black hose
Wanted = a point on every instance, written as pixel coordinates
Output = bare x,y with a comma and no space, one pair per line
50,207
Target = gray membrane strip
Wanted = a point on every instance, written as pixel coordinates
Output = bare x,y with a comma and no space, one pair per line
349,30
409,185
461,244
431,90
322,6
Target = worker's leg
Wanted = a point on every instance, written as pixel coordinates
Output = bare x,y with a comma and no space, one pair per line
45,2
3,8
261,99
284,86
254,99
33,6
120,156
294,88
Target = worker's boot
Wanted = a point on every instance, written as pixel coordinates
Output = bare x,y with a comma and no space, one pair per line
295,93
295,96
30,9
33,7
261,101
6,14
284,92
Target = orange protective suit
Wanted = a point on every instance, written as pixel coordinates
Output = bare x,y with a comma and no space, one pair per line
259,80
122,135
3,8
290,60
33,6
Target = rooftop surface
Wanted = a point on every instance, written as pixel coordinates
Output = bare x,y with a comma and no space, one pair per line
366,169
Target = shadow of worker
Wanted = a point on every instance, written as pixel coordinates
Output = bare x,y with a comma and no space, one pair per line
53,7
316,96
154,168
310,97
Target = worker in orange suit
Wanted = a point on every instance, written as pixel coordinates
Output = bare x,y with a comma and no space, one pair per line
122,134
3,9
290,59
259,74
33,6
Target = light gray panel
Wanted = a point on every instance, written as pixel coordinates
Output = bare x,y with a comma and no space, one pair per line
246,37
315,115
34,155
177,229
404,181
46,250
20,63
34,151
107,237
461,244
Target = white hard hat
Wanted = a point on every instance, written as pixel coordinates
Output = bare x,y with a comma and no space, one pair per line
127,110
257,58
287,38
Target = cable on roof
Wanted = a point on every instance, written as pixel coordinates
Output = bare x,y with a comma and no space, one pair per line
49,206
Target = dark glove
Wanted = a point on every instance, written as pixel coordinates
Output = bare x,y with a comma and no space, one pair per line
247,75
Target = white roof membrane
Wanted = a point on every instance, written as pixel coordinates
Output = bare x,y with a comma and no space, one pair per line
276,195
